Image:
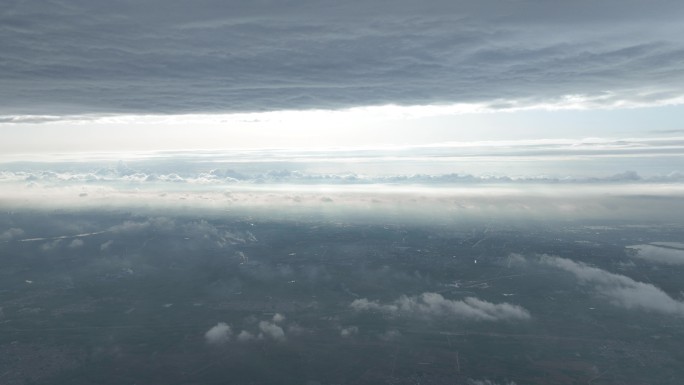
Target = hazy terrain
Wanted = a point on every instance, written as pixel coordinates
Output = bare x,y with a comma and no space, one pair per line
166,297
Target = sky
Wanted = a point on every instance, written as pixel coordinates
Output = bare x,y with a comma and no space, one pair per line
170,57
529,90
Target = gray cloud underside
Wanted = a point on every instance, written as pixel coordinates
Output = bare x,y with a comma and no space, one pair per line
76,57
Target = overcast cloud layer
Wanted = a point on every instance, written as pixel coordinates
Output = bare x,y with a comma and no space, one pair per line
75,57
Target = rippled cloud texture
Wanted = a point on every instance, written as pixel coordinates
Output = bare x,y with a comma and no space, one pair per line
75,57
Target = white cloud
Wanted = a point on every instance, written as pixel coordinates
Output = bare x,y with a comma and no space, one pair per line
245,336
446,195
219,334
349,331
135,227
106,245
76,243
271,330
430,305
674,245
390,335
296,330
11,234
52,245
658,254
620,290
89,173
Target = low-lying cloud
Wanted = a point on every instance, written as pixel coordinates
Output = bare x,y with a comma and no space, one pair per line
11,233
658,254
76,243
219,334
245,336
349,331
271,330
618,289
266,330
434,305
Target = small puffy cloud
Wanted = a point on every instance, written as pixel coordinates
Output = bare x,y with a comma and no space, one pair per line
76,243
245,336
620,290
106,245
49,246
658,254
11,234
219,334
271,330
268,329
364,304
390,335
430,305
349,331
297,330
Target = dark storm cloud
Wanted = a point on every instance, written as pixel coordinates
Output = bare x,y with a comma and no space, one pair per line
76,57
